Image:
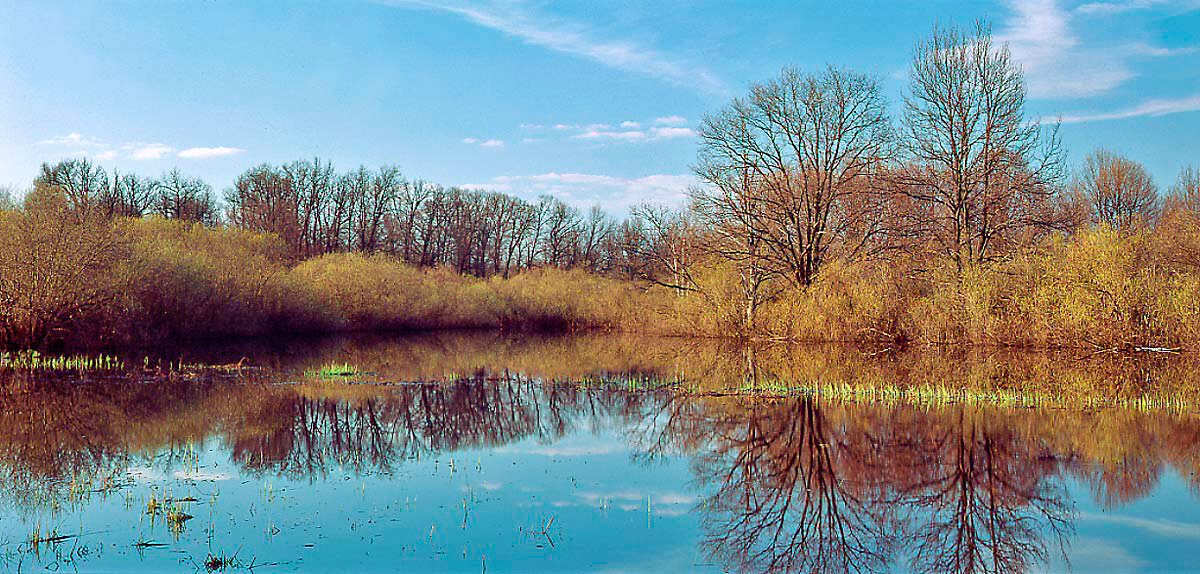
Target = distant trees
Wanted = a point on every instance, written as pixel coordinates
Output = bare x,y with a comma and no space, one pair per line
1185,192
83,186
7,203
1118,191
88,192
983,172
317,210
176,196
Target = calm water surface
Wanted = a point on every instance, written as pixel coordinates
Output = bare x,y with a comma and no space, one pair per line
485,453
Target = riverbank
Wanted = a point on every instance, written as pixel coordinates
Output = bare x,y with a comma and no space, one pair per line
124,283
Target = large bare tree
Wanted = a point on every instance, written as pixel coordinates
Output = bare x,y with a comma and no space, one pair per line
985,170
787,171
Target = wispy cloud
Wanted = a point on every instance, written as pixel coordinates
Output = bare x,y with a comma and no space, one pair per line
102,151
615,194
492,143
148,151
630,130
665,133
1160,527
1148,108
73,139
1042,36
608,134
207,152
518,20
1110,8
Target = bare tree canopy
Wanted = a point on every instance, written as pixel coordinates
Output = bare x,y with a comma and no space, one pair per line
81,182
985,171
788,170
1118,191
1185,193
177,196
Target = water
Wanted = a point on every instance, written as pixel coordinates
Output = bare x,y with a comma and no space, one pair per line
483,453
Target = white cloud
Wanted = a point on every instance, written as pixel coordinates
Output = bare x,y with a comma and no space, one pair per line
631,135
484,142
207,152
1148,108
74,139
516,20
1058,63
1110,8
149,151
1042,40
532,140
138,151
615,194
630,130
664,133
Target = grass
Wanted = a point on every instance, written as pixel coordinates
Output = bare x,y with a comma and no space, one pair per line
939,395
333,371
31,360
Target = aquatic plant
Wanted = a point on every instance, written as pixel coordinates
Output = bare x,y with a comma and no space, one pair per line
332,371
32,360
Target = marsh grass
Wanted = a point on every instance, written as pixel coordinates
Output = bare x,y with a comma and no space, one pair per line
933,395
333,371
32,360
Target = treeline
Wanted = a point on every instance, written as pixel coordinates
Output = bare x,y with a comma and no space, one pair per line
317,210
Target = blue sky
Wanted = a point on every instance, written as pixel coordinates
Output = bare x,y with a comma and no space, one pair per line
593,101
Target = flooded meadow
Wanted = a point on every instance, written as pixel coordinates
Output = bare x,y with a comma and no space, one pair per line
491,452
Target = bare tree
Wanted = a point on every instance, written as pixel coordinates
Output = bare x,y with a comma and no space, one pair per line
792,166
177,196
985,170
130,195
1118,191
1185,193
7,198
81,182
264,199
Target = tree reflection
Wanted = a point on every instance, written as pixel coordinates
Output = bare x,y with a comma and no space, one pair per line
305,436
982,499
785,498
800,486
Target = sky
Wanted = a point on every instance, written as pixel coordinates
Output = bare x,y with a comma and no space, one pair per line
595,102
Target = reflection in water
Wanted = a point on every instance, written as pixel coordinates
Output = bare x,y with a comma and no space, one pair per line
789,493
784,485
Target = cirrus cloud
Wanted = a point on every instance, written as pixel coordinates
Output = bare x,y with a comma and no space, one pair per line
207,152
615,194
